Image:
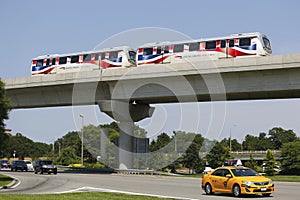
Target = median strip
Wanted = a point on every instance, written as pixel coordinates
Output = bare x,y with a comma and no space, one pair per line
93,189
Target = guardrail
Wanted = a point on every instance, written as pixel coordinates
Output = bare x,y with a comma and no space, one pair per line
84,169
255,152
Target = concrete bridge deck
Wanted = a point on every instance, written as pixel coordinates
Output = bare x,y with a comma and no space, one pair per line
271,77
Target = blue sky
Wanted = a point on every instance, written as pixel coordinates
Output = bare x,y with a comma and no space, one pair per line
31,28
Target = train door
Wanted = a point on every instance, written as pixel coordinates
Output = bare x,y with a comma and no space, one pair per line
223,44
158,54
164,52
230,51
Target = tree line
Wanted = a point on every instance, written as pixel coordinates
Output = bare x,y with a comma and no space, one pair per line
166,152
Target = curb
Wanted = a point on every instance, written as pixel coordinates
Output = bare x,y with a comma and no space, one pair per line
10,185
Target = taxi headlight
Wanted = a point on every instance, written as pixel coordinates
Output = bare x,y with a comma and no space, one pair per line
270,182
248,182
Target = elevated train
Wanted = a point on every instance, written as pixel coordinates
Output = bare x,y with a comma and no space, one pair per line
233,46
62,63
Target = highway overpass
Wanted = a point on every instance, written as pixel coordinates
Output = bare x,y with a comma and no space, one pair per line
126,93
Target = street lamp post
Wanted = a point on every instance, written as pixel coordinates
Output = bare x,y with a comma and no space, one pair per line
82,139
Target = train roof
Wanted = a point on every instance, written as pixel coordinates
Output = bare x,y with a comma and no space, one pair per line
239,35
83,52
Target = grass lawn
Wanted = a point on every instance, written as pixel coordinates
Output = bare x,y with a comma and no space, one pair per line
4,180
282,178
76,196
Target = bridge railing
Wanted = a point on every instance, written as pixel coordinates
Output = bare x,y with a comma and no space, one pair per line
255,152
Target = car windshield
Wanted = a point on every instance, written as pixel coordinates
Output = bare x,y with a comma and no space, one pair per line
244,172
20,162
46,162
27,162
4,161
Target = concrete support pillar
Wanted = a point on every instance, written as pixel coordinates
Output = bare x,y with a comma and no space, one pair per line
126,145
126,114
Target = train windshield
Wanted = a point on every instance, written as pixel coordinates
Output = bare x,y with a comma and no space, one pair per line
267,43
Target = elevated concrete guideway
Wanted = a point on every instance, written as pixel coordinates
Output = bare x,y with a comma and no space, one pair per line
269,77
125,93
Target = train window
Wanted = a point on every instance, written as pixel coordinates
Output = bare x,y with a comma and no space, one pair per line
87,57
74,59
39,63
53,61
158,50
223,43
132,55
210,45
113,55
231,43
62,60
244,42
267,42
96,56
148,51
103,56
48,62
178,48
166,49
194,46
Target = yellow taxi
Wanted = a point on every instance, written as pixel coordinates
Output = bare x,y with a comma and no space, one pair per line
237,181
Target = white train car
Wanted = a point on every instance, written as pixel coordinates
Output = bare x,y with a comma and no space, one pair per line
92,60
233,46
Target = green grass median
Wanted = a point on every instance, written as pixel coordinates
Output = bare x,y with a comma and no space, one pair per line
281,178
76,196
5,180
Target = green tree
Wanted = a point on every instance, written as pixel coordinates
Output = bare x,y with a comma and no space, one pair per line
252,163
67,156
218,155
290,155
279,136
161,141
250,143
5,107
269,163
235,145
191,157
25,147
253,143
71,139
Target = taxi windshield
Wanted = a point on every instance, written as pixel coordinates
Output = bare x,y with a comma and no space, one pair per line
244,172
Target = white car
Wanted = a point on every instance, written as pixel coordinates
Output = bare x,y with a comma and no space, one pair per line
207,170
29,165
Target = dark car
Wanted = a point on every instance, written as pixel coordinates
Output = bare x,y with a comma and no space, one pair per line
18,165
42,166
4,164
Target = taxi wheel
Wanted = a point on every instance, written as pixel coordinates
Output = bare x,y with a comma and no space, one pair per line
208,189
236,191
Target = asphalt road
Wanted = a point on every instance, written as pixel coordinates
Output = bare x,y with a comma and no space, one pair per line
180,188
